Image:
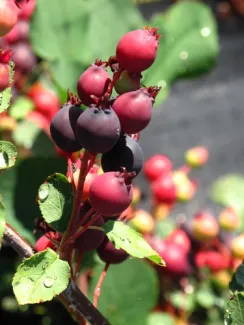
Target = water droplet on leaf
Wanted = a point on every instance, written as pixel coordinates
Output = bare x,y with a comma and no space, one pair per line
205,32
48,282
43,192
183,55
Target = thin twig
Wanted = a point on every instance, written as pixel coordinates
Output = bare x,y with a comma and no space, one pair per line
72,297
97,290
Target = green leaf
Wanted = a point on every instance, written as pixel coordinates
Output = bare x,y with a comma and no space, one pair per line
160,319
129,291
164,228
19,187
205,296
131,241
229,191
40,278
181,300
188,47
234,314
21,106
2,221
237,281
6,95
55,199
8,154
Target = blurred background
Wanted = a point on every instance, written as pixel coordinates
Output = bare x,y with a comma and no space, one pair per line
201,71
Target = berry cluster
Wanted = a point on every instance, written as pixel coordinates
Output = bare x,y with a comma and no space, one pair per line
109,126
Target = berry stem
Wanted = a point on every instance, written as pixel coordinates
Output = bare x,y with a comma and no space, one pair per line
82,229
97,290
116,76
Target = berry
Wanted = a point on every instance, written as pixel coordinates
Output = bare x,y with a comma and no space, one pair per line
98,129
46,102
221,279
111,193
23,57
94,81
164,189
161,211
137,50
109,254
179,237
237,247
214,260
4,76
134,110
136,195
126,153
186,191
20,32
204,226
41,121
197,157
128,81
143,221
229,220
62,128
26,9
91,238
157,165
8,16
44,242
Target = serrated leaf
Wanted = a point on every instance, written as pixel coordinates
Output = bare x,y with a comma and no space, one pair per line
40,278
21,106
234,314
55,199
160,319
129,291
228,191
2,221
188,47
8,154
131,241
6,95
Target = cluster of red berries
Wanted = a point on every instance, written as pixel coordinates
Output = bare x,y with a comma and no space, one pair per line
109,126
14,26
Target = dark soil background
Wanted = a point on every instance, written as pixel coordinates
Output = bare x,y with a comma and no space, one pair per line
205,111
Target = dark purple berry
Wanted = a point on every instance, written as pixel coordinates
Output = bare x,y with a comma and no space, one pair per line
109,254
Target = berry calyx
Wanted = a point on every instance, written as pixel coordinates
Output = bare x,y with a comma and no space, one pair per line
126,153
62,128
93,82
111,193
137,50
157,165
134,110
204,226
98,129
109,254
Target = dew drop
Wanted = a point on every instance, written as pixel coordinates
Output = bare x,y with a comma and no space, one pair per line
48,282
43,192
183,55
205,32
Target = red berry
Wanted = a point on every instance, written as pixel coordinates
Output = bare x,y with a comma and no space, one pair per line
91,238
128,81
134,110
111,193
46,102
43,243
20,32
179,237
137,50
164,189
204,226
214,260
109,254
26,9
94,81
4,76
41,121
157,165
8,16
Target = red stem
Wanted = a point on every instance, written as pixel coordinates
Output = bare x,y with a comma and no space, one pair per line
116,76
83,229
97,290
71,174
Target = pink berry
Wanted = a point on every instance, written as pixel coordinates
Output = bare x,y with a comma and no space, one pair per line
204,226
20,32
137,50
23,57
134,110
94,81
157,165
164,189
4,76
111,193
26,9
47,103
179,237
8,16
